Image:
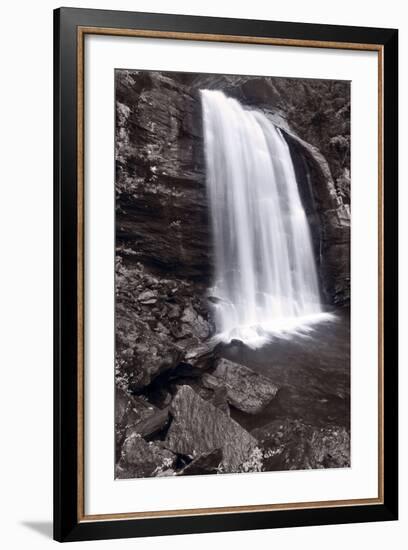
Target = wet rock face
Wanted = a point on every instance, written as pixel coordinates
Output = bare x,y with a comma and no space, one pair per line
160,178
328,212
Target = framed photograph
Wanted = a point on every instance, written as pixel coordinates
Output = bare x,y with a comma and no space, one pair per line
225,274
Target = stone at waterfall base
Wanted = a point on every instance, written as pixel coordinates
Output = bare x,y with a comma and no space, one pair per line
140,458
246,390
199,427
207,463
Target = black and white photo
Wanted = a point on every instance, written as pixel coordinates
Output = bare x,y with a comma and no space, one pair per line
232,273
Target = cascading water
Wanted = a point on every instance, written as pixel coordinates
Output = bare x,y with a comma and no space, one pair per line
265,273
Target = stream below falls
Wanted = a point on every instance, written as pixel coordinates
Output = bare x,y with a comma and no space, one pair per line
312,372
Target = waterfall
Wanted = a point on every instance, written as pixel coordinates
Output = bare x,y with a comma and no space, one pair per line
265,273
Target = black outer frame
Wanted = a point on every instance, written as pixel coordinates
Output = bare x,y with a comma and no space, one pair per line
66,525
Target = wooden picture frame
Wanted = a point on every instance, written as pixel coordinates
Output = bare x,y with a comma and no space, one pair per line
70,28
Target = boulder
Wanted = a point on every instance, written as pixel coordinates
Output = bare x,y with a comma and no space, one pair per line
207,463
246,390
196,359
142,459
199,427
216,396
199,355
151,425
130,410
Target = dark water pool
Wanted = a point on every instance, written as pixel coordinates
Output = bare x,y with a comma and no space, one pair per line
312,371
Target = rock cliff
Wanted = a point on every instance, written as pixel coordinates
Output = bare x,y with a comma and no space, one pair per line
162,213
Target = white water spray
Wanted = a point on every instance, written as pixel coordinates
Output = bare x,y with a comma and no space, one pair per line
265,273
